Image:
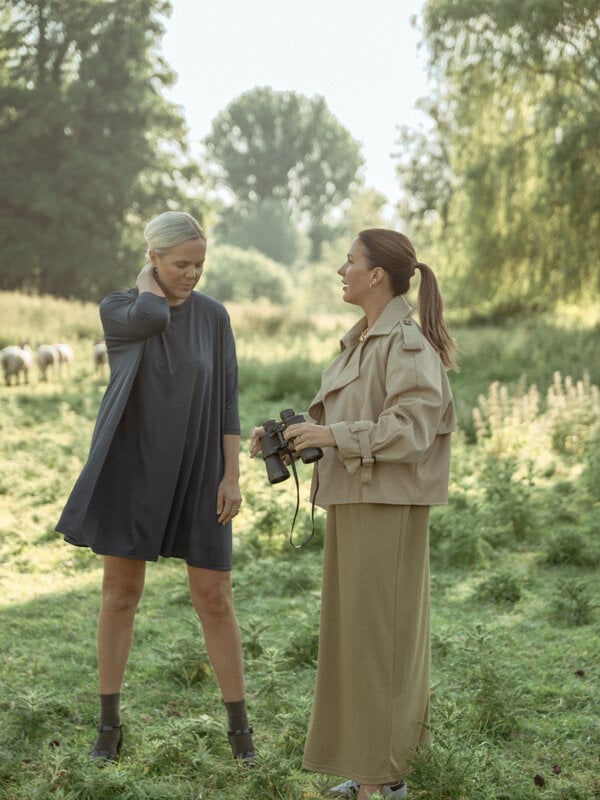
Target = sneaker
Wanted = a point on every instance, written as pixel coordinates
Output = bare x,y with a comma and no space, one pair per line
350,789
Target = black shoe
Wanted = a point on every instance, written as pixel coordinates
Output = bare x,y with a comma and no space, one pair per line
247,756
108,755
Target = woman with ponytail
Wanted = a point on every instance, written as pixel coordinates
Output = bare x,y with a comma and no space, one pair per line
383,417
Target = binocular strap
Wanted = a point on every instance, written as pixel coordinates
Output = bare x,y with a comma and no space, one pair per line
312,511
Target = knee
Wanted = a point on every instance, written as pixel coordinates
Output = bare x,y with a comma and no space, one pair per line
213,601
120,597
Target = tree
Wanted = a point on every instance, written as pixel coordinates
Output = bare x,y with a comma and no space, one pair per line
516,147
283,145
265,225
84,131
238,275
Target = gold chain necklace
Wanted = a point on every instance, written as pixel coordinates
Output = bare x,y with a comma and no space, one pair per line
363,335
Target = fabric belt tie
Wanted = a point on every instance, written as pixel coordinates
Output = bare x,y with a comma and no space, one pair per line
367,459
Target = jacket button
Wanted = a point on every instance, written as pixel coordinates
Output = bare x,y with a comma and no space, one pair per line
407,321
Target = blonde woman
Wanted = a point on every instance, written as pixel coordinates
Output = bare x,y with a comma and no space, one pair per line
162,476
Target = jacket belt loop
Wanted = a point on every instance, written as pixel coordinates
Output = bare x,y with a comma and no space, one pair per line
366,457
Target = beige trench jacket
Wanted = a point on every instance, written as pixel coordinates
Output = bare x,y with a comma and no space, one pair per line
389,405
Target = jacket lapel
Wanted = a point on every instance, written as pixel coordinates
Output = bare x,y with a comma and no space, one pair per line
346,366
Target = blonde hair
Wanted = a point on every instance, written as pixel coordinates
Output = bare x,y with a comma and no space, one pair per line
170,229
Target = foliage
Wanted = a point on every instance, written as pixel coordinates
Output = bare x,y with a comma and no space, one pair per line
89,147
503,587
284,145
573,603
265,225
503,182
514,678
241,275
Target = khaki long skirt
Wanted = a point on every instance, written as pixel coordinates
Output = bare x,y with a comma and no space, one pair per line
372,690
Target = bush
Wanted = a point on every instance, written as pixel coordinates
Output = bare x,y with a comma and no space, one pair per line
501,587
240,275
573,604
456,540
570,546
266,226
497,699
591,471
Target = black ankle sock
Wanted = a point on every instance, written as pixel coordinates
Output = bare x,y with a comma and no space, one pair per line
237,720
110,709
108,741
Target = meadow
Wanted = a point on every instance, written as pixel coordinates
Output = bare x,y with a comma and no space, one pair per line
515,594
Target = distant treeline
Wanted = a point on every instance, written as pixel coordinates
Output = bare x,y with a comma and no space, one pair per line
499,193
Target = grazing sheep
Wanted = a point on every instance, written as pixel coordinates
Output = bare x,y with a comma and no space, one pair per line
65,353
16,360
100,356
47,357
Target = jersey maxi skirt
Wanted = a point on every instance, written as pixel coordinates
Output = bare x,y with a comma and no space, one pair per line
372,689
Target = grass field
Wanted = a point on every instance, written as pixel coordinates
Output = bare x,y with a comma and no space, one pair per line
515,592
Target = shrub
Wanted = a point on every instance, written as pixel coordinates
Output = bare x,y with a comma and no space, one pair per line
266,226
282,381
570,546
455,536
496,698
591,471
453,764
240,275
572,604
505,510
502,587
519,426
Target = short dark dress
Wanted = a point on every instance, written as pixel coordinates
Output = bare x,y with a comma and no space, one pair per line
149,486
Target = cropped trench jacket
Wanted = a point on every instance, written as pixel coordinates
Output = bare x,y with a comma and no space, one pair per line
389,405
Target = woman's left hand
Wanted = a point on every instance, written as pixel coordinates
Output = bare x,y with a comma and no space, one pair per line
229,500
308,434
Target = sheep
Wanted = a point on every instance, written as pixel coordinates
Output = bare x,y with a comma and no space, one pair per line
16,360
100,356
65,353
47,356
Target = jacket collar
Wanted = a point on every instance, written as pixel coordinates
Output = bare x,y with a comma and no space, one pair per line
395,311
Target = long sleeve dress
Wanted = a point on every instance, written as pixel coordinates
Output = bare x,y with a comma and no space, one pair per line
149,486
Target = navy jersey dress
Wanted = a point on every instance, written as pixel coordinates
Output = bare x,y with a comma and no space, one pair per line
149,486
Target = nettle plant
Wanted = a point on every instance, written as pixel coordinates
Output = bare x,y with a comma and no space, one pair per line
545,437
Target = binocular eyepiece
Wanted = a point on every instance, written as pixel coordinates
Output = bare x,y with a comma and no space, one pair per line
274,446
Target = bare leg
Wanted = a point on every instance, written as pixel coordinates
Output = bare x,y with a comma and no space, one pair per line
122,587
212,598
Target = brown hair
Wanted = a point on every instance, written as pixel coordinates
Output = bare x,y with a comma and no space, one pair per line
395,254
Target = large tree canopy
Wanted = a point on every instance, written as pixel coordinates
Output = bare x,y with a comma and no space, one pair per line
513,163
87,142
283,145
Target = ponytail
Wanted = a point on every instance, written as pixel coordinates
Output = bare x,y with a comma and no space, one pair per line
431,316
395,254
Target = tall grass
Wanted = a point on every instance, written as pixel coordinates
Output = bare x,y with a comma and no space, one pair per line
515,600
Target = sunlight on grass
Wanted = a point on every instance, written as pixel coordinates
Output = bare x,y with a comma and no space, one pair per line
515,600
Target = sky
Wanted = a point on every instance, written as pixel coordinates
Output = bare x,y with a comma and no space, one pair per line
362,56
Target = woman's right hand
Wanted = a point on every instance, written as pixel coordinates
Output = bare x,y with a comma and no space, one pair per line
148,282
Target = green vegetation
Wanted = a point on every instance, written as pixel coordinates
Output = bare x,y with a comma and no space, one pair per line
283,145
85,158
498,186
516,601
501,183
